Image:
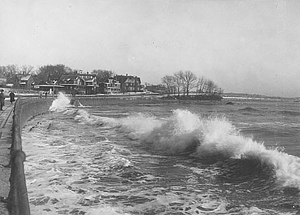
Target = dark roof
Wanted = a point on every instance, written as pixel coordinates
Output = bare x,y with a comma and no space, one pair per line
67,79
123,78
94,75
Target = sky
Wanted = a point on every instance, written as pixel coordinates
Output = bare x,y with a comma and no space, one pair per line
244,46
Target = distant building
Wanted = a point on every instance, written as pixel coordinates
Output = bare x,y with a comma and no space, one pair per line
26,81
90,82
112,86
128,83
79,83
72,84
85,83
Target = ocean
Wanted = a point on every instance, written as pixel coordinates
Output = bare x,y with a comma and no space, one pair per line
165,158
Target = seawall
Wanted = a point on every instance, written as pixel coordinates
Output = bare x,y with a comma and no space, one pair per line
24,109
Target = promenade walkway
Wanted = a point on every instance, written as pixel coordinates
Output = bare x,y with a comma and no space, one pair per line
5,144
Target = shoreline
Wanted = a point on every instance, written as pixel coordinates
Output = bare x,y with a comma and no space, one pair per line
157,98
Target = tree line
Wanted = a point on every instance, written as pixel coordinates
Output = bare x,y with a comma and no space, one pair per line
183,82
46,74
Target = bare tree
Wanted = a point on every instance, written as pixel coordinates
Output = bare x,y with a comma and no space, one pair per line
12,69
189,80
200,84
2,71
178,81
103,75
211,87
168,81
11,74
26,70
50,73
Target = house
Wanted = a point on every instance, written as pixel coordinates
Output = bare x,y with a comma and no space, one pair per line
129,83
72,84
79,83
112,86
90,82
26,81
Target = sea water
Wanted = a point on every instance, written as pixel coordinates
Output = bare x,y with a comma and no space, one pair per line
165,158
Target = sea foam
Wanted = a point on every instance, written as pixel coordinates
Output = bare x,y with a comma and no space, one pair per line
215,137
187,133
60,103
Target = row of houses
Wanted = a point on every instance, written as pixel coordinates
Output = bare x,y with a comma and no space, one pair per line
84,83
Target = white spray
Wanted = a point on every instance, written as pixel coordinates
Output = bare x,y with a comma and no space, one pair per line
60,103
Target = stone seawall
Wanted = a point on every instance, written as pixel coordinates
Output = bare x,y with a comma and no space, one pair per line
24,109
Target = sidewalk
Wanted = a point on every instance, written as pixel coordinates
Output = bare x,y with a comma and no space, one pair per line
5,144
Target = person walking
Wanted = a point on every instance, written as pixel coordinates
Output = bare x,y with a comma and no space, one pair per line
2,98
11,97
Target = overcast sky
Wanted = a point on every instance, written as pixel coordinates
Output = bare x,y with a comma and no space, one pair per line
249,46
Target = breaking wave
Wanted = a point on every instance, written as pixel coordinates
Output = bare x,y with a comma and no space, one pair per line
61,103
212,140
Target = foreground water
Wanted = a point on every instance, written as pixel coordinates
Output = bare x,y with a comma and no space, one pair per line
168,158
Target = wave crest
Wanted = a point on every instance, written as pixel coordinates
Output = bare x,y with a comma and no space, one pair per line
217,139
60,103
211,140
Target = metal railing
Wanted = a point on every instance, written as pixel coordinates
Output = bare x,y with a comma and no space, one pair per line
18,203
